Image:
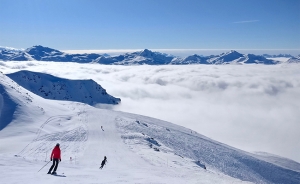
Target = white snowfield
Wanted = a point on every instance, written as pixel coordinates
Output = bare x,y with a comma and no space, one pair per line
139,149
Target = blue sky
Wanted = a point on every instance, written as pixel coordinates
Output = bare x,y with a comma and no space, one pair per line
159,24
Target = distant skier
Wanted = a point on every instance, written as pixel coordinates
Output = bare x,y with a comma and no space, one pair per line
102,128
103,162
55,156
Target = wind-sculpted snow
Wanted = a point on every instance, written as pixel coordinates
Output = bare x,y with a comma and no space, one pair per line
214,155
51,87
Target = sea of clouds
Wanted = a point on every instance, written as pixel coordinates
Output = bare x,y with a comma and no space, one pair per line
250,107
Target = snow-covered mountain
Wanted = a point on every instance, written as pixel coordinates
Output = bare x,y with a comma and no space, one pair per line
51,87
137,58
226,58
193,59
14,55
148,57
41,53
294,60
234,57
255,59
139,149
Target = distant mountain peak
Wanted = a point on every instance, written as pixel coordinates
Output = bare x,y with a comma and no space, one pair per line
146,50
226,57
233,52
146,53
38,48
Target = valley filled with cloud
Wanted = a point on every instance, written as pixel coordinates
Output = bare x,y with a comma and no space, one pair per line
251,107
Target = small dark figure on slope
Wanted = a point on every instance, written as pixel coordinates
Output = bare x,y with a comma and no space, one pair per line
103,162
55,156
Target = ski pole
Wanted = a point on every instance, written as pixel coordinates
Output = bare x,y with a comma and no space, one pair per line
44,165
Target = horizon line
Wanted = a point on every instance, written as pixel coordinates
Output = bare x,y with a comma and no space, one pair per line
81,51
122,50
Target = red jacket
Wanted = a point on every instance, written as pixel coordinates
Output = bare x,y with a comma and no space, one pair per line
55,153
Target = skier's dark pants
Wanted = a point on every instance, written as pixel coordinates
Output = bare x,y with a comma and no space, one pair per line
102,164
55,163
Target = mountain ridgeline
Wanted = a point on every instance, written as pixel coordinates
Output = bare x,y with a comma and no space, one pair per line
147,57
51,87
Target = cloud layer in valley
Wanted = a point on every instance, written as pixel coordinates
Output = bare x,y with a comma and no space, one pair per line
251,107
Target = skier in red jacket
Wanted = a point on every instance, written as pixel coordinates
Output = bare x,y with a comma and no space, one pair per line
55,156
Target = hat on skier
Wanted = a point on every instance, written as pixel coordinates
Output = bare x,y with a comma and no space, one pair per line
57,144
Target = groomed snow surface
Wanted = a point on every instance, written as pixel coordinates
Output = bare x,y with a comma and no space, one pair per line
139,149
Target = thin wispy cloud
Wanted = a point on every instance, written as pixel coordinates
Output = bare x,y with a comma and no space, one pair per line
245,21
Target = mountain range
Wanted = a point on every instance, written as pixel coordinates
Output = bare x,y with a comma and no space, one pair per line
148,57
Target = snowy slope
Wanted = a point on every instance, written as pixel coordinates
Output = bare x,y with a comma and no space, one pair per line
214,155
51,87
280,161
139,149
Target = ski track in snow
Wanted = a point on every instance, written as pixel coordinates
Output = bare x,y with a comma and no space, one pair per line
72,137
